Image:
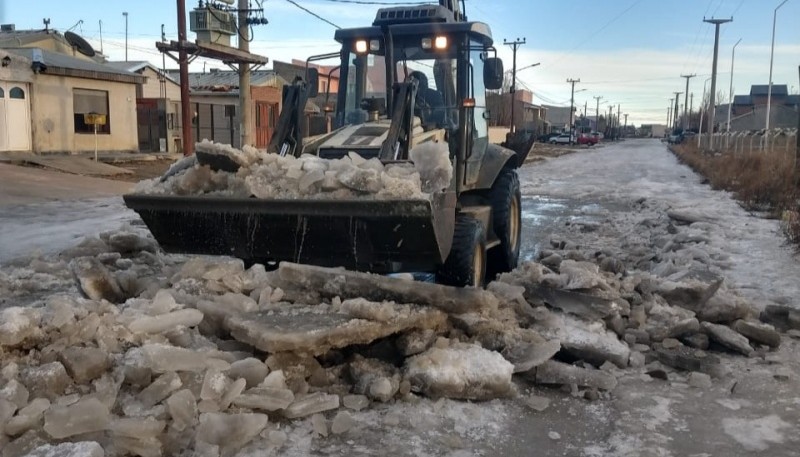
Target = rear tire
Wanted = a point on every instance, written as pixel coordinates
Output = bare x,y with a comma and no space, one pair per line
506,199
466,264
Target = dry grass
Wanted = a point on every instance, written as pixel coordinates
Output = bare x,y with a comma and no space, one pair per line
761,181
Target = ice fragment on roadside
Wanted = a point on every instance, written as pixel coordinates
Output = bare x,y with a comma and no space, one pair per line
81,449
85,416
461,371
166,322
160,389
229,431
182,406
311,404
432,161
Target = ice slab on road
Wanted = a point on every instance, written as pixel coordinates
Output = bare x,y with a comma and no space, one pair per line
317,329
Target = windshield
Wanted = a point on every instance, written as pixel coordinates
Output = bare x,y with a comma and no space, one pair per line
435,72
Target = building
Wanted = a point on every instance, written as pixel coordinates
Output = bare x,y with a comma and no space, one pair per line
158,108
45,39
45,97
214,98
528,117
749,112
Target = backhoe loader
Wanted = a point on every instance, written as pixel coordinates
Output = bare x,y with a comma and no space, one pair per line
417,74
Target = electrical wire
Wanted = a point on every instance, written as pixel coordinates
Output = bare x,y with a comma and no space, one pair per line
312,13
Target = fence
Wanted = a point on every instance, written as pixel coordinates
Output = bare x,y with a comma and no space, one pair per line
777,140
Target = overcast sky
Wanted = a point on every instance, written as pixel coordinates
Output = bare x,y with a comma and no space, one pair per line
630,52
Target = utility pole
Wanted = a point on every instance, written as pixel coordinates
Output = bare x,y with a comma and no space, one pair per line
245,135
619,116
585,114
676,113
125,13
183,62
712,97
163,77
691,107
572,103
597,114
611,121
669,113
686,101
625,129
514,45
101,36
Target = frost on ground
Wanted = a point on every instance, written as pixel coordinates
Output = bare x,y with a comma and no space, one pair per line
270,176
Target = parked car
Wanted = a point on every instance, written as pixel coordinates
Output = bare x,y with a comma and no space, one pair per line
675,137
588,139
564,138
546,137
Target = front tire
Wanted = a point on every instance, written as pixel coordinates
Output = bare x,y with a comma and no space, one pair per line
466,264
506,200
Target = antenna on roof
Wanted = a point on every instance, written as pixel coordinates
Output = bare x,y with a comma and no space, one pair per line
80,22
101,38
46,24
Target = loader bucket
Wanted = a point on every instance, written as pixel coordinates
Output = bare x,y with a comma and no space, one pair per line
382,236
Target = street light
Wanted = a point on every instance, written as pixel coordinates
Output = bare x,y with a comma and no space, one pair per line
702,112
771,57
529,66
730,96
125,13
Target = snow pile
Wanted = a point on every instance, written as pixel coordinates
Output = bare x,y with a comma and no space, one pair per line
270,176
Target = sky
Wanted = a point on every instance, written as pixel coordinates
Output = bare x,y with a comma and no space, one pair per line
631,53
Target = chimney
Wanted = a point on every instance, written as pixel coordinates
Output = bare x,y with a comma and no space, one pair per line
7,28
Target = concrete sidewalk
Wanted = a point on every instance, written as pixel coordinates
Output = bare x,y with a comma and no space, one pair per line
25,185
106,157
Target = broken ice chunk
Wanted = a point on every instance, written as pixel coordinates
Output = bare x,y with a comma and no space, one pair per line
342,423
84,364
16,325
183,409
15,393
28,417
355,402
229,431
361,180
49,380
215,383
86,416
432,161
232,393
162,358
82,449
141,428
462,371
166,322
319,424
160,389
252,370
265,398
311,404
95,281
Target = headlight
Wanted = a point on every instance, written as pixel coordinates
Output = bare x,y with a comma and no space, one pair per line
361,46
441,42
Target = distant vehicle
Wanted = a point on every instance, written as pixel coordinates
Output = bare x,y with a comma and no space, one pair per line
675,137
599,135
588,139
546,137
564,138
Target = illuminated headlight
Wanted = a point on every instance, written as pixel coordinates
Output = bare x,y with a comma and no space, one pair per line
440,42
361,46
375,45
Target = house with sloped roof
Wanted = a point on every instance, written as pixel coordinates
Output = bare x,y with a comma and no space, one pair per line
158,107
48,101
214,97
749,112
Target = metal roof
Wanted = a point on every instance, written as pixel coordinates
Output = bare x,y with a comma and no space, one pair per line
742,100
228,79
763,89
64,65
137,66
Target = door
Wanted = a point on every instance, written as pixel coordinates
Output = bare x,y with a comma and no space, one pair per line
15,117
266,113
151,124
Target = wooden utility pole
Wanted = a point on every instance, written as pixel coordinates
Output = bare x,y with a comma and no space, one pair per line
685,123
514,45
597,114
183,63
245,134
572,103
676,113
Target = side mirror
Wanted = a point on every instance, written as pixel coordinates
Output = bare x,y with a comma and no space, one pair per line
493,73
312,78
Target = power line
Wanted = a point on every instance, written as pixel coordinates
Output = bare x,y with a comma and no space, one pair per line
312,13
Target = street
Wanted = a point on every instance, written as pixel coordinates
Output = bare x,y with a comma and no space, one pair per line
608,199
